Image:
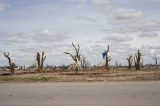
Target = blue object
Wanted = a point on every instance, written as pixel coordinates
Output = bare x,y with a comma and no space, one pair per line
104,54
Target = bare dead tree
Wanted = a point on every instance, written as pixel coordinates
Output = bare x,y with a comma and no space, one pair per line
77,57
155,58
11,64
40,60
108,59
130,60
137,60
84,62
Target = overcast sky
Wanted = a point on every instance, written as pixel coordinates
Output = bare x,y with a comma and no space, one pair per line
29,26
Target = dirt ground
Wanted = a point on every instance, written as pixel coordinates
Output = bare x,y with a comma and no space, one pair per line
83,76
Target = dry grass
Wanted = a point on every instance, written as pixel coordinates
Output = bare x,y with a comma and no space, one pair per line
84,76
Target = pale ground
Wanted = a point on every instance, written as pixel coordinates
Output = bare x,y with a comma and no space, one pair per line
84,76
81,94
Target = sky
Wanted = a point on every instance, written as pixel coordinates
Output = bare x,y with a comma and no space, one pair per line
31,26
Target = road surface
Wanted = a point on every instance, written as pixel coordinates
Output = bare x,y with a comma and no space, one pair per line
81,94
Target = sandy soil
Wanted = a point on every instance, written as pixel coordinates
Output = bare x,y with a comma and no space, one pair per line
84,76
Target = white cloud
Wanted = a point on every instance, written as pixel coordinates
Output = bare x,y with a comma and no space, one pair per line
148,35
86,18
146,51
101,2
38,39
47,36
141,26
151,25
23,45
151,47
125,16
105,5
146,26
4,6
117,38
133,23
13,38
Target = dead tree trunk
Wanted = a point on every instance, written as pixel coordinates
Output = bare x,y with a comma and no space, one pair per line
40,60
11,64
76,58
108,59
130,60
137,59
155,58
84,62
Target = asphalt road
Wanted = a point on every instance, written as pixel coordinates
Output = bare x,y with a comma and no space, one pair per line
81,94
